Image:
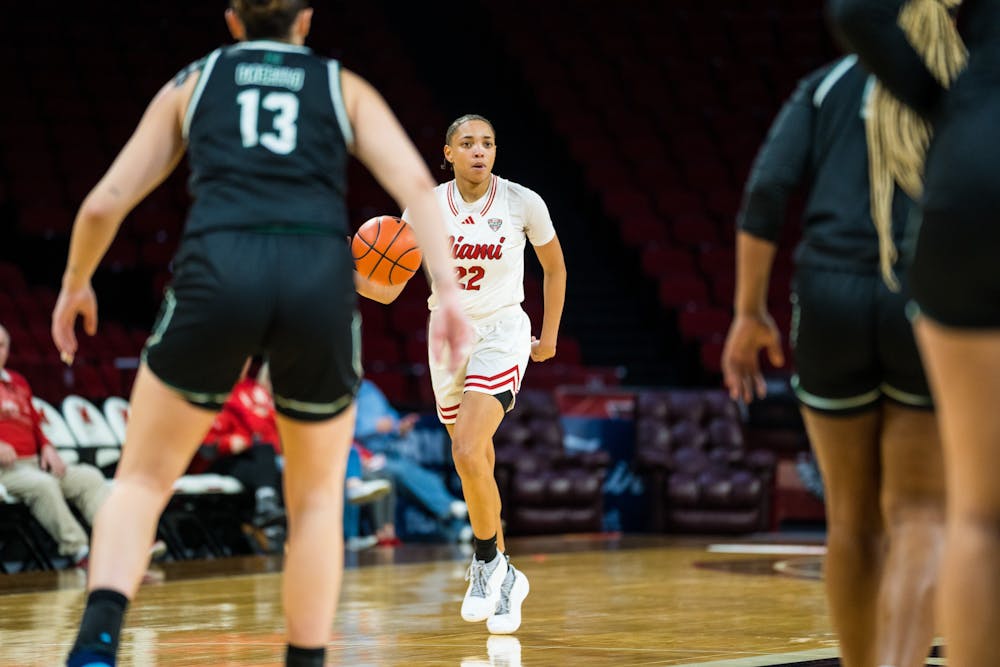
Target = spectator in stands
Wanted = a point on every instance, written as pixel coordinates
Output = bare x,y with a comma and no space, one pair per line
262,268
491,221
360,491
389,438
32,470
863,393
243,443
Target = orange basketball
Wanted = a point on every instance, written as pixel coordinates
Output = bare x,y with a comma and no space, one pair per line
385,250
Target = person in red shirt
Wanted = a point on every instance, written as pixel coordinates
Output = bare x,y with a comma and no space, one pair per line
243,443
32,470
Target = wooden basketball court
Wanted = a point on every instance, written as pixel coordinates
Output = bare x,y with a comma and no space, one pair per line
595,600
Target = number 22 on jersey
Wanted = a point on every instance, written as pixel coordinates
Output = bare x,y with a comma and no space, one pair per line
469,277
286,107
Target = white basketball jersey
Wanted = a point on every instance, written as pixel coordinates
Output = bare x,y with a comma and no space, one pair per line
487,239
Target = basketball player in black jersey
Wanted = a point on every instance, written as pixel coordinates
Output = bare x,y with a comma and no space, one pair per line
859,380
955,275
263,268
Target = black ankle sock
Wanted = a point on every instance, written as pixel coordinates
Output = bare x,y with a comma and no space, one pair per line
486,550
297,656
100,627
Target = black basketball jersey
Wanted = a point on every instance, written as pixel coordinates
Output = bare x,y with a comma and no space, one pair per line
818,141
267,136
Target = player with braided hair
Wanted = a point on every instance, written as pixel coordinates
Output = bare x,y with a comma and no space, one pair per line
862,390
954,275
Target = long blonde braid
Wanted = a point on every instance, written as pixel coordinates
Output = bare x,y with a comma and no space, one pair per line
897,136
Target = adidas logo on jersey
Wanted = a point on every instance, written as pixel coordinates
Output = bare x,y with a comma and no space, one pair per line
469,221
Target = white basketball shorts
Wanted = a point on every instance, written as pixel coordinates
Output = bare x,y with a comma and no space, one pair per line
497,359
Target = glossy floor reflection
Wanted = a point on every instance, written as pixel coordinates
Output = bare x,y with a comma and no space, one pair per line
635,601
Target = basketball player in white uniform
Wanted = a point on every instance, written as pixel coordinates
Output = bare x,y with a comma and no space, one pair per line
490,221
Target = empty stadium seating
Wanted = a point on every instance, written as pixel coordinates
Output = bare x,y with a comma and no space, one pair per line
701,476
545,488
664,106
659,106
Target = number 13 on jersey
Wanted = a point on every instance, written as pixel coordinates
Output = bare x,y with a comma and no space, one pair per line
286,108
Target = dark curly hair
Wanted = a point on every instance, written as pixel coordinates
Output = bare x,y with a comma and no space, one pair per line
268,19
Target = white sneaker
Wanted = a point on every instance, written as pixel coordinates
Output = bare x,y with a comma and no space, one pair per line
507,618
483,594
367,491
158,550
504,651
360,543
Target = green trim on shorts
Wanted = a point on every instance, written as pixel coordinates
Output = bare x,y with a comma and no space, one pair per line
906,398
169,305
359,369
198,398
202,399
314,408
820,403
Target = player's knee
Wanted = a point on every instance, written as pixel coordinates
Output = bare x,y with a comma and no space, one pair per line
901,509
470,458
88,475
860,535
978,524
43,488
146,484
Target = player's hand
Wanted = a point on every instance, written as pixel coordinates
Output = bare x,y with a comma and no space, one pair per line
541,350
52,462
73,302
449,331
748,334
8,455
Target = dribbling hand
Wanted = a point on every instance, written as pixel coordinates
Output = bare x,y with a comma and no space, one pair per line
71,303
740,366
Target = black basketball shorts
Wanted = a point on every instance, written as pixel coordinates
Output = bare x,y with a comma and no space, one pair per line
239,294
955,275
853,344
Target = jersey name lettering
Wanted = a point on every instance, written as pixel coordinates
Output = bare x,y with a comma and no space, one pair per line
259,74
460,250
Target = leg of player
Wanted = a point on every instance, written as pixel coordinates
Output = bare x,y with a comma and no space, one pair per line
913,507
162,434
315,465
472,449
847,449
964,372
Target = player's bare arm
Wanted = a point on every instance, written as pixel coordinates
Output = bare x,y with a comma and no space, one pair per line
150,155
385,149
550,256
